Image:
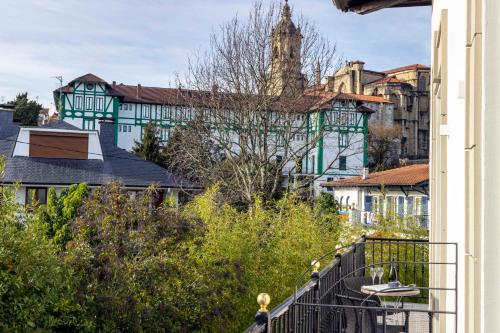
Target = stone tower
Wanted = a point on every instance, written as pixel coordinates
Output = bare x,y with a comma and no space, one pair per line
286,42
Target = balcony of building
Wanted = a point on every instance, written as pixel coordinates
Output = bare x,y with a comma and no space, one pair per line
347,296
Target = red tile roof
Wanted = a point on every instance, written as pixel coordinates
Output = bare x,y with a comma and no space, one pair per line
388,79
313,99
327,97
407,68
411,175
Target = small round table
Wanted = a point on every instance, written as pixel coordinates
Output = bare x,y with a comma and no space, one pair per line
391,292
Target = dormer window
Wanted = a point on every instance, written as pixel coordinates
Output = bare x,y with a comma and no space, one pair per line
46,144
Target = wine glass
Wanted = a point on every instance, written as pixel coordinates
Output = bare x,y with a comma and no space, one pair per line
373,273
380,274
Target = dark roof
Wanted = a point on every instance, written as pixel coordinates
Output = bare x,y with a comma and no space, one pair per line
368,6
59,124
90,78
118,164
412,175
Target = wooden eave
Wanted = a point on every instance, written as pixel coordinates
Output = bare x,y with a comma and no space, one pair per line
368,6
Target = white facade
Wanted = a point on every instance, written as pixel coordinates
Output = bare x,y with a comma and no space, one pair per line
369,204
465,180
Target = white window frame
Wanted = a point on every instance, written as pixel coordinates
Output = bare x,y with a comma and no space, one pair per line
146,111
87,106
99,103
78,102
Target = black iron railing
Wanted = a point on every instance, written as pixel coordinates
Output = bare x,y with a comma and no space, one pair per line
321,304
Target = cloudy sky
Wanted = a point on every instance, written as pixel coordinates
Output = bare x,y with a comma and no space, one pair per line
148,41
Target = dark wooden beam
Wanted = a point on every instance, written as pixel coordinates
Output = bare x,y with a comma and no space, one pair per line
369,6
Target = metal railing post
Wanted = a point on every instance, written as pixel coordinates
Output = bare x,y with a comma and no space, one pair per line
262,316
315,277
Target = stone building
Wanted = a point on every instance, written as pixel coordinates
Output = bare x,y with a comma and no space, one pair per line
407,87
286,43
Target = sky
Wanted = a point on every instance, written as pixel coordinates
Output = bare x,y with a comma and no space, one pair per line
149,41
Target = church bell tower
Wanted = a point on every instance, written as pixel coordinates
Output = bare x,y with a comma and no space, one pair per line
286,42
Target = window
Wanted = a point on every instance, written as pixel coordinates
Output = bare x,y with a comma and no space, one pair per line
89,103
120,107
368,203
165,112
146,111
98,103
89,86
124,128
164,134
36,195
279,159
279,140
78,102
342,162
401,201
88,124
347,202
343,139
409,206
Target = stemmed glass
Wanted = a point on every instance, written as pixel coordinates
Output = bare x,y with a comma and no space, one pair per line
380,273
373,273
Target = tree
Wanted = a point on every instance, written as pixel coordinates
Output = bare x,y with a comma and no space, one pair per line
252,106
25,110
60,211
189,150
150,148
383,146
37,289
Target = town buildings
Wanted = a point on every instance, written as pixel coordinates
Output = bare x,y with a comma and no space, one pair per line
465,159
401,193
59,155
341,119
406,87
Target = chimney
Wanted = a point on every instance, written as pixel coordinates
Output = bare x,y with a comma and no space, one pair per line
365,174
114,84
139,88
107,131
6,116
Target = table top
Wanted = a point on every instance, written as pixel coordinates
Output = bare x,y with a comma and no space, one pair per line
393,292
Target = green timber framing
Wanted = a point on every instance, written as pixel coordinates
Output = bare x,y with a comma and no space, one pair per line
342,117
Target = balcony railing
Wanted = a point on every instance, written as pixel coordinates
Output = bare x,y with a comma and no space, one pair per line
325,303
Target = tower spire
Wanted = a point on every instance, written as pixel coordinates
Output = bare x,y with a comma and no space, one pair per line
286,11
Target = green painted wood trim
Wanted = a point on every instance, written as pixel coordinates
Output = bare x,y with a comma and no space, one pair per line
116,104
308,123
365,140
321,120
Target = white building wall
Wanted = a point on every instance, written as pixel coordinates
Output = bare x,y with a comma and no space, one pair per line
491,167
453,225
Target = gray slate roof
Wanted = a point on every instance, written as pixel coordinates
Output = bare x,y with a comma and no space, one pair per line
118,164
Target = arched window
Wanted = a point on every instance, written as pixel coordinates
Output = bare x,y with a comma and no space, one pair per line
347,202
341,201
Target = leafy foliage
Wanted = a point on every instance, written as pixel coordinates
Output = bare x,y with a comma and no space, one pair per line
25,110
60,211
37,289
